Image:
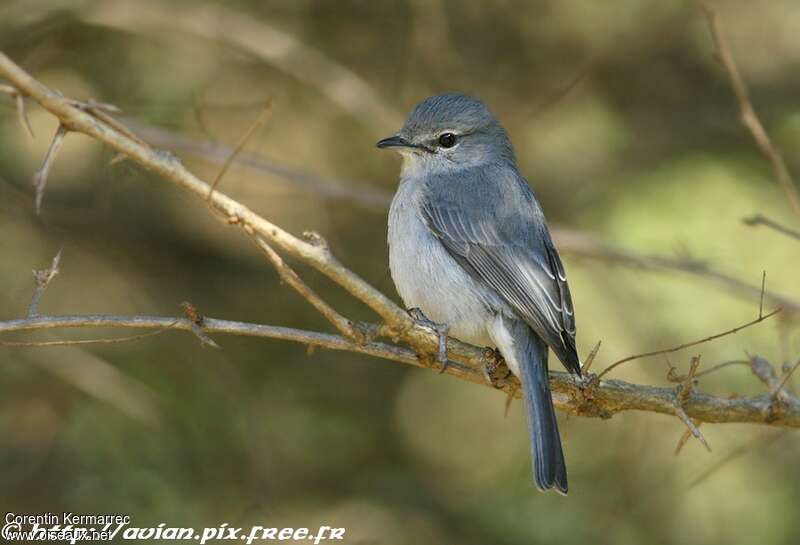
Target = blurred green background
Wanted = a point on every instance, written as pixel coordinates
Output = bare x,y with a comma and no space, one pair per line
625,126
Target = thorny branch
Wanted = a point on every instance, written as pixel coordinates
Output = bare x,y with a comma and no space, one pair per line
593,397
603,399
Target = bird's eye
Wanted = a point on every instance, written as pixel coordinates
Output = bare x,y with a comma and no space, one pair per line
447,140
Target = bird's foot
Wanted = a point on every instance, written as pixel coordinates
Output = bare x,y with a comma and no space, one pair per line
440,329
495,367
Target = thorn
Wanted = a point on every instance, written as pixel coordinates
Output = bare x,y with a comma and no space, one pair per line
685,437
43,277
40,177
777,390
196,320
590,358
23,115
692,428
511,391
687,384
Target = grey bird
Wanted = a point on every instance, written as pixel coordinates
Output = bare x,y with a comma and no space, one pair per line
469,246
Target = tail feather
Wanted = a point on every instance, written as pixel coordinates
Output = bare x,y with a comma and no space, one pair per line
550,469
530,355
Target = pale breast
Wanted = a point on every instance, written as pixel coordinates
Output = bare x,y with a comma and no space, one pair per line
428,278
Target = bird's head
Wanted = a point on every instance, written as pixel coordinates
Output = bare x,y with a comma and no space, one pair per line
450,132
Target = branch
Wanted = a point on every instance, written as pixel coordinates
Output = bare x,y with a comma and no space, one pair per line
748,115
595,398
602,398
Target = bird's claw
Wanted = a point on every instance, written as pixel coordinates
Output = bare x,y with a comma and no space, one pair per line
440,329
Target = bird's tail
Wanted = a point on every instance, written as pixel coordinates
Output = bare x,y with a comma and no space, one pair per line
549,467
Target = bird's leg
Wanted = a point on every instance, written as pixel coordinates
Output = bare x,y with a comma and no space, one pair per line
440,329
494,362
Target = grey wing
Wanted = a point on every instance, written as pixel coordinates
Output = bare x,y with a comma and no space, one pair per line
530,279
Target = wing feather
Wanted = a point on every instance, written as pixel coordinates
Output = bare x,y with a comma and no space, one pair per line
531,279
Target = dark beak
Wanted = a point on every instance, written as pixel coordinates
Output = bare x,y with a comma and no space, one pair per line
395,141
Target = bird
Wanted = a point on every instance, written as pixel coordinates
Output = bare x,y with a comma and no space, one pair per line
471,254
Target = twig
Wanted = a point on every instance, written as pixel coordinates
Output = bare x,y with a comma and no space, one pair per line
719,366
710,338
748,115
40,178
257,124
43,277
760,219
